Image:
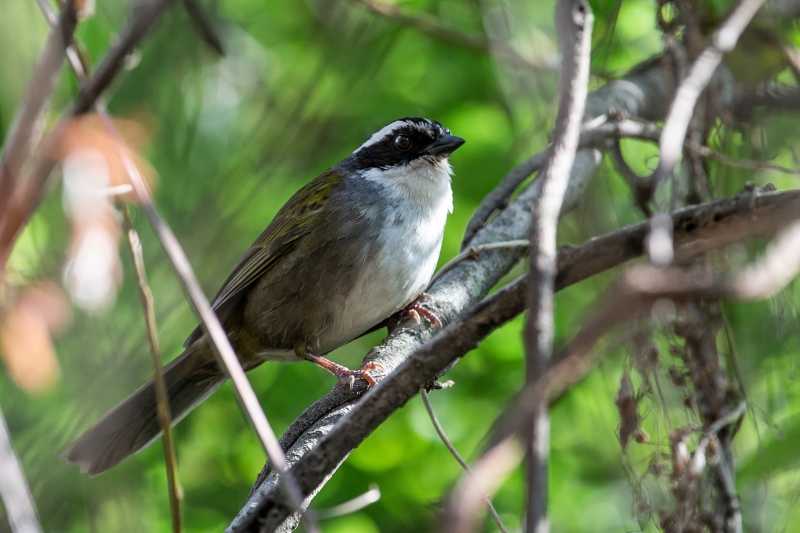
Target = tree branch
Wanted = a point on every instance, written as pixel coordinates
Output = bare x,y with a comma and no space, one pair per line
162,396
642,93
28,124
316,452
574,20
682,108
637,289
14,491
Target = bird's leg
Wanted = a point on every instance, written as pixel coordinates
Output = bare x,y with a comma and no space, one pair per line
415,309
344,374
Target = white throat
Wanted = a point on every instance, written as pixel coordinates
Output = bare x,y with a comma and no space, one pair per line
422,185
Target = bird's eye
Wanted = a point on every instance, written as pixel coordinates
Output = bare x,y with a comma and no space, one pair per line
402,142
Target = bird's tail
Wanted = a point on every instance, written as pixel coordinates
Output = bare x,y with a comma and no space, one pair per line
133,424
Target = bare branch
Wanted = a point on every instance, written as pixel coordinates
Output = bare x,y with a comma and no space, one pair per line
689,91
637,289
142,20
162,397
14,489
322,437
204,28
574,20
738,162
596,134
31,187
26,131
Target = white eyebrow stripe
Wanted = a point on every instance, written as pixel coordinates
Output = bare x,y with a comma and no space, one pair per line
391,128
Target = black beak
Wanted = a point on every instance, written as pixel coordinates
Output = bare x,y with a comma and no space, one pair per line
444,145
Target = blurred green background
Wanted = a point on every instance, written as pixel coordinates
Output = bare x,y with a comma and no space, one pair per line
300,86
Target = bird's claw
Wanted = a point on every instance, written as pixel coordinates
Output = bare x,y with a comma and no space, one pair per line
345,375
415,310
348,377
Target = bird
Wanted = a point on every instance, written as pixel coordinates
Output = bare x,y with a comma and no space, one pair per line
356,245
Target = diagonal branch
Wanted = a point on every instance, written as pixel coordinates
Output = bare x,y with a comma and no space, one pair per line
28,124
690,89
143,19
340,427
637,290
14,491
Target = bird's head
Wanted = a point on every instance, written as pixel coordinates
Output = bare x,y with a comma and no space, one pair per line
410,153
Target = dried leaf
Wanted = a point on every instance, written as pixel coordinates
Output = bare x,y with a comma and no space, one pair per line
90,134
627,404
25,337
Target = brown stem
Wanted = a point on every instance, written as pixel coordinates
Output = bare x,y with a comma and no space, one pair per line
26,131
162,397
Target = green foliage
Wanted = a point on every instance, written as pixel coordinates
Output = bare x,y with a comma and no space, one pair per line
301,85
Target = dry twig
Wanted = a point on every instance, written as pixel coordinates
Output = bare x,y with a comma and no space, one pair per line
28,124
452,449
162,397
14,489
682,108
574,20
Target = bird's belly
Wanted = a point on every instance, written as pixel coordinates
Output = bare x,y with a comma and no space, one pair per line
382,288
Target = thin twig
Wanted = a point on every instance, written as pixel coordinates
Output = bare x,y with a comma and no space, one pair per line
594,134
449,445
226,357
28,124
162,397
574,21
690,89
14,489
642,186
738,162
475,251
352,506
727,420
204,28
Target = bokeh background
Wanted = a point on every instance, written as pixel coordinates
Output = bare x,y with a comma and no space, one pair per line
300,85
